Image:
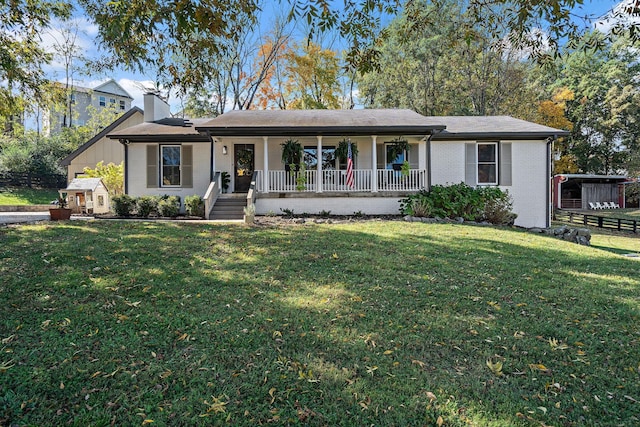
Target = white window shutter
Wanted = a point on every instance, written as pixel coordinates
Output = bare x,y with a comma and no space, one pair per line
471,164
505,164
187,166
152,166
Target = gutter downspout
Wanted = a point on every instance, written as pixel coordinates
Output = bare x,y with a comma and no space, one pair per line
125,143
431,135
550,142
211,172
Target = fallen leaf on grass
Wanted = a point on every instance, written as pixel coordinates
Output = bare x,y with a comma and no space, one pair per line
557,345
494,305
216,406
539,367
418,362
8,339
496,368
5,366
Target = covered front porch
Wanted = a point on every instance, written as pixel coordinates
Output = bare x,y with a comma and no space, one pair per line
377,167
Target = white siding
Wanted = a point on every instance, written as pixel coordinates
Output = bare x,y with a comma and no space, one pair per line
447,162
137,177
529,189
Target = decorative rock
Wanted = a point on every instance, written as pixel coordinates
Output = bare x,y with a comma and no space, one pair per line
560,230
459,220
584,232
581,236
581,240
428,220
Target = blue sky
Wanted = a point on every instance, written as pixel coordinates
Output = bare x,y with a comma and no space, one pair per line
135,83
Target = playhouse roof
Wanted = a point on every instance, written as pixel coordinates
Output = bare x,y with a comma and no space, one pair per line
85,184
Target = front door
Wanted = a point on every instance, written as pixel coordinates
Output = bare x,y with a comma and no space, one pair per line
244,159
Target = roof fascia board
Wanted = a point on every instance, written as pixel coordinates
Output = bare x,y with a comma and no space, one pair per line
497,135
160,138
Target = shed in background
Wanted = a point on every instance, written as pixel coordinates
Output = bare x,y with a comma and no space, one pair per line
576,191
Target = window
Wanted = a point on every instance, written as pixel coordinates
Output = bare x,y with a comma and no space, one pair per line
112,100
103,101
394,160
73,98
100,200
122,105
328,157
170,165
488,163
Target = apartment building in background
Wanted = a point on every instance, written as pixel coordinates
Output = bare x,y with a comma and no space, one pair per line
107,94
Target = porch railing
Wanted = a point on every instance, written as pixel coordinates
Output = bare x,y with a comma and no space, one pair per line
391,180
281,181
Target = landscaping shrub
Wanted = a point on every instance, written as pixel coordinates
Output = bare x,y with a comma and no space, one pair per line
461,201
169,206
123,204
146,205
421,206
497,206
194,205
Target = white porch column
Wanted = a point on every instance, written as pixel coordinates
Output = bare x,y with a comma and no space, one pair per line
374,164
265,172
319,166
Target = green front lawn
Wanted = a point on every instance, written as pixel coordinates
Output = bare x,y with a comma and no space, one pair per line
27,196
366,323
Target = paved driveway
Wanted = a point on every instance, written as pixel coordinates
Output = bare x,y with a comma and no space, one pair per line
19,217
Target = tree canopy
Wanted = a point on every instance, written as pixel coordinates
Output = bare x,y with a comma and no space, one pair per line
157,32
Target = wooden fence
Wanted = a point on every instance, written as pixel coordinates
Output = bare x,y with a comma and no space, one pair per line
619,224
33,180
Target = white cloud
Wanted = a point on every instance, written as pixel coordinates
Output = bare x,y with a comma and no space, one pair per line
618,15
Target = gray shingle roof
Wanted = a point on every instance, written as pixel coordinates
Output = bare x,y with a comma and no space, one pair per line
150,131
340,123
320,122
472,127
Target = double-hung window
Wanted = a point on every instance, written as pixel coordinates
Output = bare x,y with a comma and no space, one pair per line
122,105
170,166
103,101
487,164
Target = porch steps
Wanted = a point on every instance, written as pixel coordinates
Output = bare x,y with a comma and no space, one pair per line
229,206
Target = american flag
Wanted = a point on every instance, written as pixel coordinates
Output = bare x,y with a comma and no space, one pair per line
349,166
